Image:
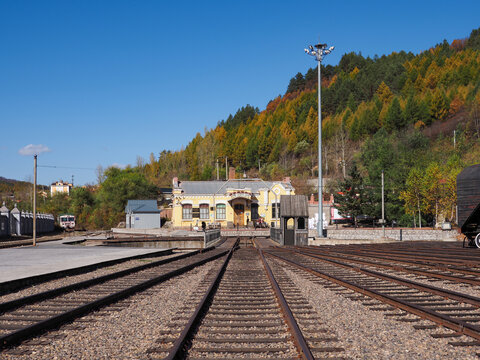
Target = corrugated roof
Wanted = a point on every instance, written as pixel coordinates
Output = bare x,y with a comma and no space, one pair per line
293,205
142,206
221,187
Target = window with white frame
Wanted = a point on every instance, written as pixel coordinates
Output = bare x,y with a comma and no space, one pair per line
187,211
204,211
274,213
221,211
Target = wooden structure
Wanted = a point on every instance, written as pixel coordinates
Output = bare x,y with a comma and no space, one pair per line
468,202
294,219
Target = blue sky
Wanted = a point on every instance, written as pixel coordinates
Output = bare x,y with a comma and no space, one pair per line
102,82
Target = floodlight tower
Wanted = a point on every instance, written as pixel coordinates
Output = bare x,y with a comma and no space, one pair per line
319,51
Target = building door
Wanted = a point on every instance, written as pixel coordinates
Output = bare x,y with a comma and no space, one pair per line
254,211
239,211
289,231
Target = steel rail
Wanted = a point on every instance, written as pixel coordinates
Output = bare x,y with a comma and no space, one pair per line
10,286
454,295
299,340
404,260
31,299
396,267
20,335
432,258
444,320
178,349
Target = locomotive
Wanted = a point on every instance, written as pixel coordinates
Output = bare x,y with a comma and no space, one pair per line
67,222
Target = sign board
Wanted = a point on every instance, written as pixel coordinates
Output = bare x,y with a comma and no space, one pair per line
196,213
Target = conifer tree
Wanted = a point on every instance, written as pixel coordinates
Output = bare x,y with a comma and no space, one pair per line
438,105
394,119
351,194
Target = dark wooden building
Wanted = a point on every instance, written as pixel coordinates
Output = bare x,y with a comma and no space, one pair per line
294,219
468,200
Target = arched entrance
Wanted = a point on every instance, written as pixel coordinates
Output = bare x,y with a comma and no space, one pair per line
289,231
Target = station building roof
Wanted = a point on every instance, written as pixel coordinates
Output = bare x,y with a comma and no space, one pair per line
221,187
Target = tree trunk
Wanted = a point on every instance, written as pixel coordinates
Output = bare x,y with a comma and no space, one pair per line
419,215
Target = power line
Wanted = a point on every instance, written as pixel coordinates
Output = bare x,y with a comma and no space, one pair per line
65,167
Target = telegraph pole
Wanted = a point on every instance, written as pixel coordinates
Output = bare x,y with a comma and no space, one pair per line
383,207
218,174
35,200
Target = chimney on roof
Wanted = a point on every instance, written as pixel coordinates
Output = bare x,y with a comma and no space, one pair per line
231,173
175,182
286,179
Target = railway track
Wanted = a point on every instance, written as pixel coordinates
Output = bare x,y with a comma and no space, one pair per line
25,317
428,271
456,311
16,285
248,309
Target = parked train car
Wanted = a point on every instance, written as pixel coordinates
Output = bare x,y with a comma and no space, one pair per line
468,202
67,221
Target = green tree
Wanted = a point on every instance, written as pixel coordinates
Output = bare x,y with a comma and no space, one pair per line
394,120
351,194
411,113
413,194
432,190
118,187
58,204
81,203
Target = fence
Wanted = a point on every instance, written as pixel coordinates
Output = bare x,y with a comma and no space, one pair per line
276,235
17,222
211,236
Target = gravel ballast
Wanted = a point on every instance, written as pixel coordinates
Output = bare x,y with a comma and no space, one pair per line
124,333
368,334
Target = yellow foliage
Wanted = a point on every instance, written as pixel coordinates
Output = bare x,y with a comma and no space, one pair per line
285,130
384,92
354,73
333,80
419,125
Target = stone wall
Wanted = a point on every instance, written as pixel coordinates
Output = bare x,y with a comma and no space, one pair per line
390,234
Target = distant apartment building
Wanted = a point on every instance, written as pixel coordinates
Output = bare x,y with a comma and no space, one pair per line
60,187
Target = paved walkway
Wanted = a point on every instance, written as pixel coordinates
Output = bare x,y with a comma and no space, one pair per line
22,262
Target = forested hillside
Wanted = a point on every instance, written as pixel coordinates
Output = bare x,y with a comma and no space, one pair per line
396,112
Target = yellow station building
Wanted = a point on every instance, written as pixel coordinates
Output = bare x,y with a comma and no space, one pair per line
228,203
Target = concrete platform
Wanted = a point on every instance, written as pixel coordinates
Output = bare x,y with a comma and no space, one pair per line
23,262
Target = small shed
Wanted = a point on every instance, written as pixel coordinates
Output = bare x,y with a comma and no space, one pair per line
294,219
142,214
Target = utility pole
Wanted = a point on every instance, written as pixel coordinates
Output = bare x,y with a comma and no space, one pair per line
226,168
35,200
454,139
218,173
383,207
319,52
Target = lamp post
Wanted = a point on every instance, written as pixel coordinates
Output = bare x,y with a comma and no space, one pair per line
319,51
35,200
